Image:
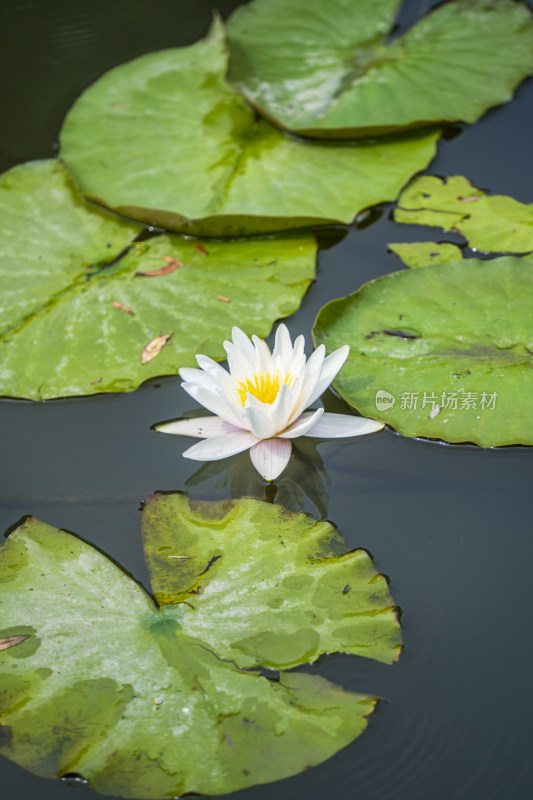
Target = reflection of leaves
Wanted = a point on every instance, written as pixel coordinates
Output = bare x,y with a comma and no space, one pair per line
307,477
47,289
217,170
146,702
469,350
493,223
421,254
327,68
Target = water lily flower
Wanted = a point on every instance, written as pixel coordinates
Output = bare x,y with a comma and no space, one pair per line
259,405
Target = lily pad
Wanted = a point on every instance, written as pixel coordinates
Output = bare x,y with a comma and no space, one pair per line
140,700
328,69
164,139
444,352
492,223
421,254
78,319
49,239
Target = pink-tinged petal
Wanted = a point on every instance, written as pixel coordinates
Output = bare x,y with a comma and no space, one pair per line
214,403
337,426
303,424
200,427
330,367
270,457
219,447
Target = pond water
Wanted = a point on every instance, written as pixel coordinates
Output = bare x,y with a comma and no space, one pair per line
450,525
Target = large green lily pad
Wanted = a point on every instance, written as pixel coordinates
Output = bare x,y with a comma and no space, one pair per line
493,223
74,326
165,140
49,239
444,352
142,701
327,69
421,254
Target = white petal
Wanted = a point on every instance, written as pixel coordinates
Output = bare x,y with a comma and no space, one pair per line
281,407
221,446
201,427
210,366
330,367
336,426
222,382
238,363
198,377
270,457
283,344
214,402
259,419
260,425
241,340
263,356
308,382
268,419
302,425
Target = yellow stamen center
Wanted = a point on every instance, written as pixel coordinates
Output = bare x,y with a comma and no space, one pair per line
263,385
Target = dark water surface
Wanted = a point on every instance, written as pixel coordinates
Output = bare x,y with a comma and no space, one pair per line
450,525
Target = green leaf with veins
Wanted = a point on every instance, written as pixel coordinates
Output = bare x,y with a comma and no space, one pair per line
421,254
50,239
493,223
451,343
312,598
150,702
77,319
164,139
327,69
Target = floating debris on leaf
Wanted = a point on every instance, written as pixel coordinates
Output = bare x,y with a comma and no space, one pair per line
200,248
154,347
11,641
115,304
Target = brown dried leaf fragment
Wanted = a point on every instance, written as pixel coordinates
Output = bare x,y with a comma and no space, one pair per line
154,347
200,248
171,266
11,641
224,299
115,304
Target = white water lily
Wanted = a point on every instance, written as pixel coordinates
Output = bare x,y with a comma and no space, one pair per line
260,403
